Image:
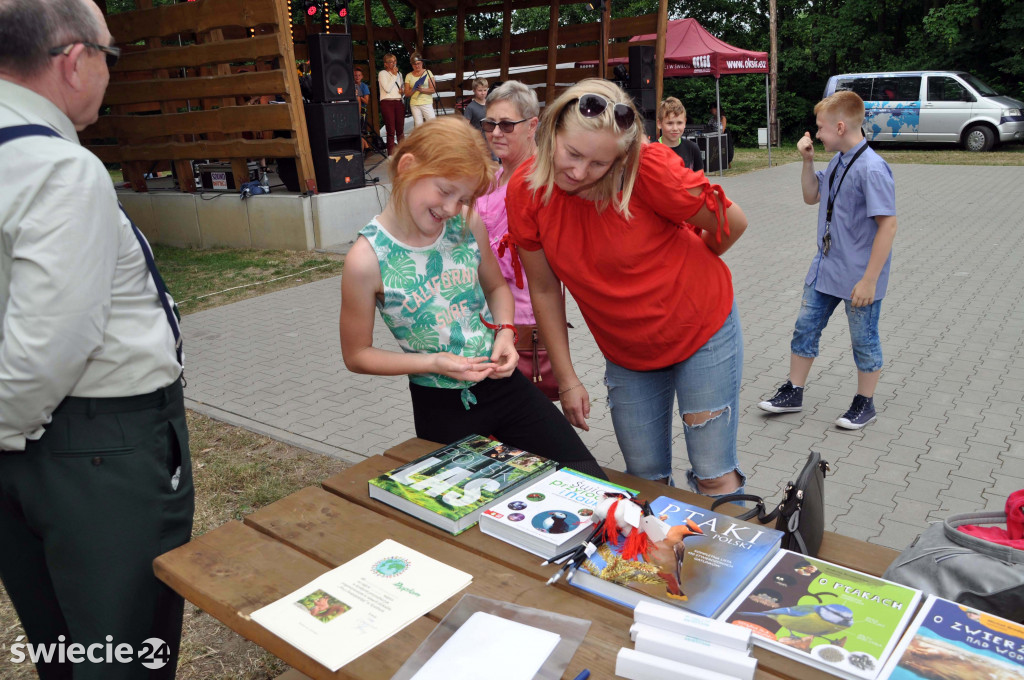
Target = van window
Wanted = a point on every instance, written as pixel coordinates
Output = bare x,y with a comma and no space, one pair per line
983,89
861,86
947,89
897,89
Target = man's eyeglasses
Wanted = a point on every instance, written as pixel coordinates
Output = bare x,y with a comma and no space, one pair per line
507,126
593,105
112,53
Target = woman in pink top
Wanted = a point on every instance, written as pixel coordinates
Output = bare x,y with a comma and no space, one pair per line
509,126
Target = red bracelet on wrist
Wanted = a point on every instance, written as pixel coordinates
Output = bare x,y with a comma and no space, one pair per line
502,326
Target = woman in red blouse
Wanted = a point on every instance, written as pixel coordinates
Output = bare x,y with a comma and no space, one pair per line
636,237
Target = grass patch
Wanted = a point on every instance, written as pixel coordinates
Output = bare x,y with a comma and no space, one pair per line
201,279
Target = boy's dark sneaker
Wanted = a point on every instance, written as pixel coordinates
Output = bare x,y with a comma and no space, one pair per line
787,399
861,413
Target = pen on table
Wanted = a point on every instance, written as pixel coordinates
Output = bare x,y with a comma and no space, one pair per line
584,674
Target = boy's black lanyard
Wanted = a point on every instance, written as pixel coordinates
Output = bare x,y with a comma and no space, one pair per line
826,240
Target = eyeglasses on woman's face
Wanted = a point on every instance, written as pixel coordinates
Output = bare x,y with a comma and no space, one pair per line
593,105
112,53
507,126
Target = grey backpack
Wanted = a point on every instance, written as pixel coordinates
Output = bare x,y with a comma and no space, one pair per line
966,569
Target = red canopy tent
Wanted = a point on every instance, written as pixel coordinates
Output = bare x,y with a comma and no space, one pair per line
691,51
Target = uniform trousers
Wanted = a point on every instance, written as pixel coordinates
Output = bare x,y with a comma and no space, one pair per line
84,510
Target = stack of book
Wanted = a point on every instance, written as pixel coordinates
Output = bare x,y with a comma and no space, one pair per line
842,621
551,515
670,644
700,571
451,487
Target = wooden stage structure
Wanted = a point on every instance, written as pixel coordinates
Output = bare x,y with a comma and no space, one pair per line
185,88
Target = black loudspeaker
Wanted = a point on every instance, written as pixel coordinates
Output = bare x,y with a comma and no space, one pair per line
712,161
332,120
651,129
643,99
641,67
335,145
330,61
339,166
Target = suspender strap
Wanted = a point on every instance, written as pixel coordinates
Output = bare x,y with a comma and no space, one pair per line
9,134
166,301
170,308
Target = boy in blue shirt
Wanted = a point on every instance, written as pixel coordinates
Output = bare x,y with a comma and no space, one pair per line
856,228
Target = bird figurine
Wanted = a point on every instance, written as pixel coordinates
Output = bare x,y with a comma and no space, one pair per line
667,554
816,620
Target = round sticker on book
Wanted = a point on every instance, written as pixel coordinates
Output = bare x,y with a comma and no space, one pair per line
390,567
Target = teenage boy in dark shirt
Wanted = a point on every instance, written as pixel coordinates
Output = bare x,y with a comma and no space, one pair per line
672,121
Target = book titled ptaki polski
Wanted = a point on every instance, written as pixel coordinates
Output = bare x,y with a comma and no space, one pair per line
451,487
840,620
550,515
351,609
948,640
704,559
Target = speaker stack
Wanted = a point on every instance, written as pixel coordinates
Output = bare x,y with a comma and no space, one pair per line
641,85
332,118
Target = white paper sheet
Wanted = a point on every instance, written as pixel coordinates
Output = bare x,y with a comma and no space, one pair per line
492,647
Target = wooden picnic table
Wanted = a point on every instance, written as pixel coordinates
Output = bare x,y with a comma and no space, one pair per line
242,566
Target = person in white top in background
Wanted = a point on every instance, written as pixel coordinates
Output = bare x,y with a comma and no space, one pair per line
95,474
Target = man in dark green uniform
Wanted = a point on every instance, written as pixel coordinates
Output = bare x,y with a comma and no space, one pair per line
95,474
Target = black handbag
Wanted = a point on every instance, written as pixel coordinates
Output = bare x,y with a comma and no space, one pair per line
801,514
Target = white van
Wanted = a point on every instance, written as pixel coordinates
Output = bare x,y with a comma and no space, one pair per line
933,106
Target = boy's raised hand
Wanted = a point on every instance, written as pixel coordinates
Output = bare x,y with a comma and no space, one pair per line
474,369
805,146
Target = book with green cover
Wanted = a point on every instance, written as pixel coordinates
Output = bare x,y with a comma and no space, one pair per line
451,486
839,620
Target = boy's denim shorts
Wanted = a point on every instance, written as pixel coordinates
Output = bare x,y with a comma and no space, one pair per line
815,310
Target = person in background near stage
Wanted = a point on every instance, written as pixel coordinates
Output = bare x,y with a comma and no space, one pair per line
476,109
419,88
718,122
95,472
362,90
602,212
672,121
391,87
856,228
440,292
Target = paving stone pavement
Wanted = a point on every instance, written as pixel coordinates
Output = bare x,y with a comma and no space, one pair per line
949,437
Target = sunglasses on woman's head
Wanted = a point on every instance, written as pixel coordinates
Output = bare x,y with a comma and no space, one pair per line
593,105
507,126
